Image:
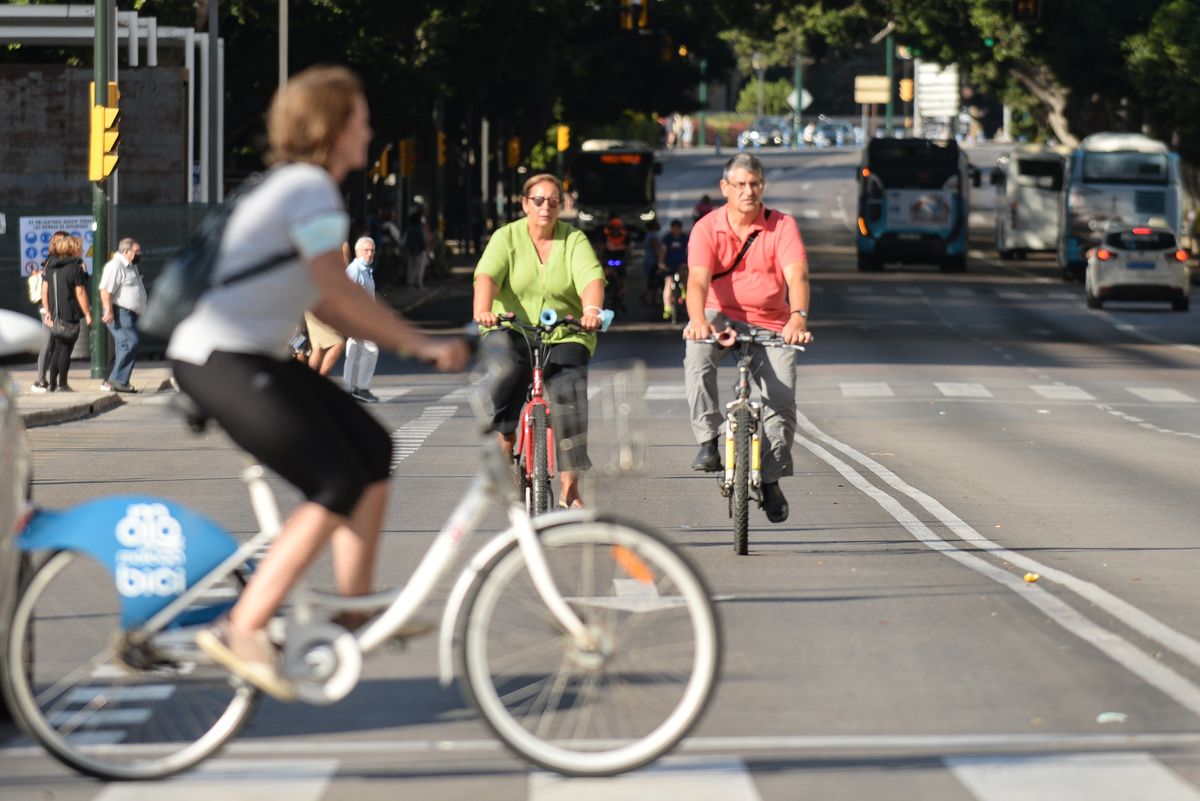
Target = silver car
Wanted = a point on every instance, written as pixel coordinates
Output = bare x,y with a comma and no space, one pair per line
18,334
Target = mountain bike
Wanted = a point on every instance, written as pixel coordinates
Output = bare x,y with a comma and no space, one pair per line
741,481
534,450
589,645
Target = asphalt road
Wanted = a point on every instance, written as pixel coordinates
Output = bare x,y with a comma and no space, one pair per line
960,435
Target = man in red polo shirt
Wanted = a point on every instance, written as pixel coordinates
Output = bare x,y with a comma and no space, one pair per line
767,287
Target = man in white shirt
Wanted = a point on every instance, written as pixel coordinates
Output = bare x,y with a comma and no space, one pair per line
361,354
123,296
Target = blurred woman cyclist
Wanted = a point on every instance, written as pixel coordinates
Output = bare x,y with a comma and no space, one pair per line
228,356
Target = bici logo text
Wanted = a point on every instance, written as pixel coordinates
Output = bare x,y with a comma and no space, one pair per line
152,561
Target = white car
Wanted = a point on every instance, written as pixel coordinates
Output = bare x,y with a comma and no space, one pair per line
1137,263
18,334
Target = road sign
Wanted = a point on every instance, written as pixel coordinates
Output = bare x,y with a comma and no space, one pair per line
871,89
805,98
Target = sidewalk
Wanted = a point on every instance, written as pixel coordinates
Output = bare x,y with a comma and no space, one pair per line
152,377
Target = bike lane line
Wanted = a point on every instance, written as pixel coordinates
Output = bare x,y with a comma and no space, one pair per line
1117,648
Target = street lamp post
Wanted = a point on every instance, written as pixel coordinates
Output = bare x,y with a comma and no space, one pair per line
759,62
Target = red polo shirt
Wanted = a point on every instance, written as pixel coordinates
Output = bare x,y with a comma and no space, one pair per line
755,292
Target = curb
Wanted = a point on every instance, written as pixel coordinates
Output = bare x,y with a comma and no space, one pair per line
67,414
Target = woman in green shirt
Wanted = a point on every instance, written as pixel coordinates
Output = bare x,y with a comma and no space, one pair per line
530,265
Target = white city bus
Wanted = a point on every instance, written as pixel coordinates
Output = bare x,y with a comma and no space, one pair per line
1116,177
1028,182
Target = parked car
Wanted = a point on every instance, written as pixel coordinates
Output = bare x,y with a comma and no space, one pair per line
766,131
1137,263
18,334
833,133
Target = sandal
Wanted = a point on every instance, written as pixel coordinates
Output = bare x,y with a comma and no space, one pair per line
250,657
575,504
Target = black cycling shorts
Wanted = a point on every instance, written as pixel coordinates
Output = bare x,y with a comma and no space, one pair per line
293,421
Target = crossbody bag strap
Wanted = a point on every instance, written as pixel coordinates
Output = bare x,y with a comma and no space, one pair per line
56,293
256,269
745,246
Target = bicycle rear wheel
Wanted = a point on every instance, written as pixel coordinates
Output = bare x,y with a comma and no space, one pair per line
541,460
101,706
591,711
741,481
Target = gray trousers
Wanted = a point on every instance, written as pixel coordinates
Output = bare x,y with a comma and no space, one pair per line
773,372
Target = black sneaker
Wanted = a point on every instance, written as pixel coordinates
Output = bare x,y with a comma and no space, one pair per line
364,395
774,503
124,388
708,458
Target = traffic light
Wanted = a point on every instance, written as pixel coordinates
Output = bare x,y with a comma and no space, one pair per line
104,134
988,41
514,152
383,170
635,14
564,137
408,158
906,89
441,148
1026,10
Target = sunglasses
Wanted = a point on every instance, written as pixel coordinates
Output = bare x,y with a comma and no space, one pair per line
538,200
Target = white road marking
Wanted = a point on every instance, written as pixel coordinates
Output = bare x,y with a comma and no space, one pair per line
1161,395
386,394
1070,777
95,718
690,778
231,780
1137,660
910,291
1061,392
666,392
931,743
872,389
151,692
960,292
952,390
408,438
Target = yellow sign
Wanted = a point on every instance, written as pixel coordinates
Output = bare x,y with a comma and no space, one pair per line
871,89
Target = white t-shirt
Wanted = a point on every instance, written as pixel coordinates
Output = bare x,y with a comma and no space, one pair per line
123,281
297,207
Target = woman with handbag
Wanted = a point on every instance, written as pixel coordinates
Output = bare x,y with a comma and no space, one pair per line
65,300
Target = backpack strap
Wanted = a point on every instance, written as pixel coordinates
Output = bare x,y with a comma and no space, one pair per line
745,246
256,269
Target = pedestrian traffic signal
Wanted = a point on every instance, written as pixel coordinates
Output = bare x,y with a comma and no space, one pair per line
105,136
1026,10
441,148
635,14
514,152
564,137
408,158
906,90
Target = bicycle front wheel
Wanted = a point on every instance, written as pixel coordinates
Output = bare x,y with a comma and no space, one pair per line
96,703
541,459
611,705
741,480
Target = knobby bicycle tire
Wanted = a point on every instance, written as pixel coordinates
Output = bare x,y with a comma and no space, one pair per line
741,480
541,460
100,707
608,710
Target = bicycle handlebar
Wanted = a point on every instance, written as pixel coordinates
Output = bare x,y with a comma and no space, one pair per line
549,321
729,337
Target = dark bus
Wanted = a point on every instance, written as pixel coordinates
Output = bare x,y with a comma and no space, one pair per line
611,176
913,201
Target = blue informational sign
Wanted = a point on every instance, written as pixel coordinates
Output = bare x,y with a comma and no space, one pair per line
154,549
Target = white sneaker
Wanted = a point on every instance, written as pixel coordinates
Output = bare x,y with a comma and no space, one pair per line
106,387
38,388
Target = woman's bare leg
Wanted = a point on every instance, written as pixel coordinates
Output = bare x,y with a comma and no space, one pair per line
356,544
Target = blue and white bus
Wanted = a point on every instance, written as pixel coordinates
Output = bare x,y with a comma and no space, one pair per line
913,202
1116,177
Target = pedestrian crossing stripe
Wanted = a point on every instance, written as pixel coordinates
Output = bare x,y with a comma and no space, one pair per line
952,389
866,389
1062,392
1069,777
1161,395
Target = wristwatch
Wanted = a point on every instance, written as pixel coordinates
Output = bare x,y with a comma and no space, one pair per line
801,312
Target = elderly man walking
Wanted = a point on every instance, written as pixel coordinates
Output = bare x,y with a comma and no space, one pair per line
361,354
123,298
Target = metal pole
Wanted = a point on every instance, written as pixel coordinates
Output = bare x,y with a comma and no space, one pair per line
703,138
796,118
760,91
891,84
213,99
100,200
283,41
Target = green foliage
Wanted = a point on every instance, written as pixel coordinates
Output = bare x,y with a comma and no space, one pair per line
774,97
631,125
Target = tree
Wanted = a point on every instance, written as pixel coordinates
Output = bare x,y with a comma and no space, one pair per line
775,95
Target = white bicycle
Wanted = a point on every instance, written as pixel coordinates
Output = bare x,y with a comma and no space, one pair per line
589,645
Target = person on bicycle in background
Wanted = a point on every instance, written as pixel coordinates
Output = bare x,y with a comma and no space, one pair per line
616,257
766,288
530,265
675,251
229,358
702,208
